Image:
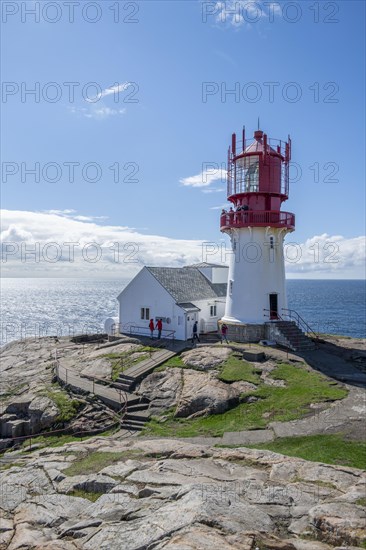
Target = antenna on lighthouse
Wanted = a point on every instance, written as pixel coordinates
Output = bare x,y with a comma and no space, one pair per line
258,124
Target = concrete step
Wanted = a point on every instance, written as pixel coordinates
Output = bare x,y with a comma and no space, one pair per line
137,407
139,416
124,378
120,386
132,425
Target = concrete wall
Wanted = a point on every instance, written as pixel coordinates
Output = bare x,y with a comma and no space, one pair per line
245,332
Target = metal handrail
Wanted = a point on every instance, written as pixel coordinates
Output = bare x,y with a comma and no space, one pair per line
273,315
300,322
74,377
169,333
257,217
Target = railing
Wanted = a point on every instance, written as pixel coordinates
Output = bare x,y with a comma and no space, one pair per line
273,315
145,331
252,218
91,384
292,315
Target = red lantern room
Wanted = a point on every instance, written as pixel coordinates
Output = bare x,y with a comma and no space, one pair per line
258,183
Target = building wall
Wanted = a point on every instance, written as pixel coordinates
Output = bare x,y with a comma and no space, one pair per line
145,291
215,274
206,323
256,271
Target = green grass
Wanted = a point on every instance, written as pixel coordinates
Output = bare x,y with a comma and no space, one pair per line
94,462
68,407
174,361
92,496
235,369
122,361
330,449
59,440
281,404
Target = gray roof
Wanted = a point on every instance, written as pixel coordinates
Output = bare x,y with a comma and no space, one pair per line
188,306
206,264
187,284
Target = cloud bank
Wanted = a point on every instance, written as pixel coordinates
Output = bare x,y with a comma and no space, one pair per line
67,244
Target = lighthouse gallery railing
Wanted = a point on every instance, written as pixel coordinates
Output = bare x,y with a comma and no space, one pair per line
246,218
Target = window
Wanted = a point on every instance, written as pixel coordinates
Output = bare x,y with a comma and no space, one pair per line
234,245
212,311
145,313
230,288
180,320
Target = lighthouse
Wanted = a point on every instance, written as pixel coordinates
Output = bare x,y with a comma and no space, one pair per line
257,185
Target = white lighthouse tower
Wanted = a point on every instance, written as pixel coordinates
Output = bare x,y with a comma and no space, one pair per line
257,184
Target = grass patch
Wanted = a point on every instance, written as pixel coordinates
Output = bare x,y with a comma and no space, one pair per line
174,361
94,462
85,494
59,440
274,403
123,361
330,449
68,407
235,369
361,502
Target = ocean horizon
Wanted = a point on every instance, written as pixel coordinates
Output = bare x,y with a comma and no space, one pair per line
32,307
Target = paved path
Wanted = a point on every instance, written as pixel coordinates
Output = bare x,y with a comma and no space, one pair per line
112,395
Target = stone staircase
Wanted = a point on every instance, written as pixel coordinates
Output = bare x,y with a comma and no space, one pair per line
296,339
137,412
210,338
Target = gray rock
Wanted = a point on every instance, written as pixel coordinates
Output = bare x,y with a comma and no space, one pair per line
42,413
205,357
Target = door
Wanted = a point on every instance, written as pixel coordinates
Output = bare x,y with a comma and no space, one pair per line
191,318
273,306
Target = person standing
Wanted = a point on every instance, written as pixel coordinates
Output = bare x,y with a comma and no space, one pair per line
195,332
151,327
224,330
159,326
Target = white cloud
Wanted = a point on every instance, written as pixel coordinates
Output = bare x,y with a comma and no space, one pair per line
213,190
326,255
239,13
205,178
58,245
32,239
224,206
116,89
97,112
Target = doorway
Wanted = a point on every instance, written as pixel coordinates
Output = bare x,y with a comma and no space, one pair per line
190,320
273,306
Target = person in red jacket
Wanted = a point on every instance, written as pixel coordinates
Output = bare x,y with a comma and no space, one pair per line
151,327
159,326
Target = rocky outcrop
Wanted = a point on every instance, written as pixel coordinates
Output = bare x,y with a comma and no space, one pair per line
26,368
190,392
169,494
206,357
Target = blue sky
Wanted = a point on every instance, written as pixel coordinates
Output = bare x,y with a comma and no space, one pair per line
161,54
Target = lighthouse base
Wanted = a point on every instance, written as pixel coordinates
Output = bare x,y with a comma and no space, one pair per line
244,332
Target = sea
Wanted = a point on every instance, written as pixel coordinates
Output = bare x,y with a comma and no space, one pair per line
47,307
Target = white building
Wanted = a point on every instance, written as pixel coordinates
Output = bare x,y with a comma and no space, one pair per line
179,296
